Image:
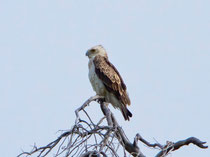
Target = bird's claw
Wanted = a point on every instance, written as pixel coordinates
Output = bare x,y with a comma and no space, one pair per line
100,100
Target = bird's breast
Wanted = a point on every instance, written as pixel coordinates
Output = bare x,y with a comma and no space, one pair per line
96,83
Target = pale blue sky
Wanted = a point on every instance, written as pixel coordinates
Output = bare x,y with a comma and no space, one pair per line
161,48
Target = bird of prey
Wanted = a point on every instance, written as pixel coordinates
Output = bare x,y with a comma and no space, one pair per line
106,80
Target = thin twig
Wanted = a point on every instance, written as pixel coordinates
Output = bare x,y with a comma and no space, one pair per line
76,142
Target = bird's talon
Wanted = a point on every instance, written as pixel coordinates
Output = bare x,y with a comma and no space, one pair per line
100,100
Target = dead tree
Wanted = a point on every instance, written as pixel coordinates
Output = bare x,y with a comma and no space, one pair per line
102,139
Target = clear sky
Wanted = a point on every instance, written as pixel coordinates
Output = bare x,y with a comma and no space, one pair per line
161,48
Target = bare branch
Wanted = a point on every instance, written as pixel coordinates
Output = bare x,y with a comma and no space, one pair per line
86,103
174,146
131,148
82,139
138,137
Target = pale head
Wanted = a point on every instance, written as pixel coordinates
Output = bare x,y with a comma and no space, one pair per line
96,50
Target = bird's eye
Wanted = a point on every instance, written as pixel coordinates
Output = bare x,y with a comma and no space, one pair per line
93,50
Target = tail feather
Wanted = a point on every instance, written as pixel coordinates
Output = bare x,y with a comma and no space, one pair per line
126,113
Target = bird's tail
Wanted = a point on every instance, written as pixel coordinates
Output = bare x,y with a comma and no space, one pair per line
126,113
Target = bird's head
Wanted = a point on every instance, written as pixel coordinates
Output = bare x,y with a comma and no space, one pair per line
96,50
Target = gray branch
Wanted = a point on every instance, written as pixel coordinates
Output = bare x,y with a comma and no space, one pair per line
170,146
133,149
77,141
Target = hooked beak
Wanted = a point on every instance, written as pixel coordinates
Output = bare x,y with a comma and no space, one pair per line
87,53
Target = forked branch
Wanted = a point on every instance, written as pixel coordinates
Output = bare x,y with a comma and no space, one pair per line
88,138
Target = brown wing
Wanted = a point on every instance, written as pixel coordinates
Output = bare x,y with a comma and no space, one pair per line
111,79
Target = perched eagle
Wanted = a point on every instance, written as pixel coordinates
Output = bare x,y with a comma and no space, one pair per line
106,80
